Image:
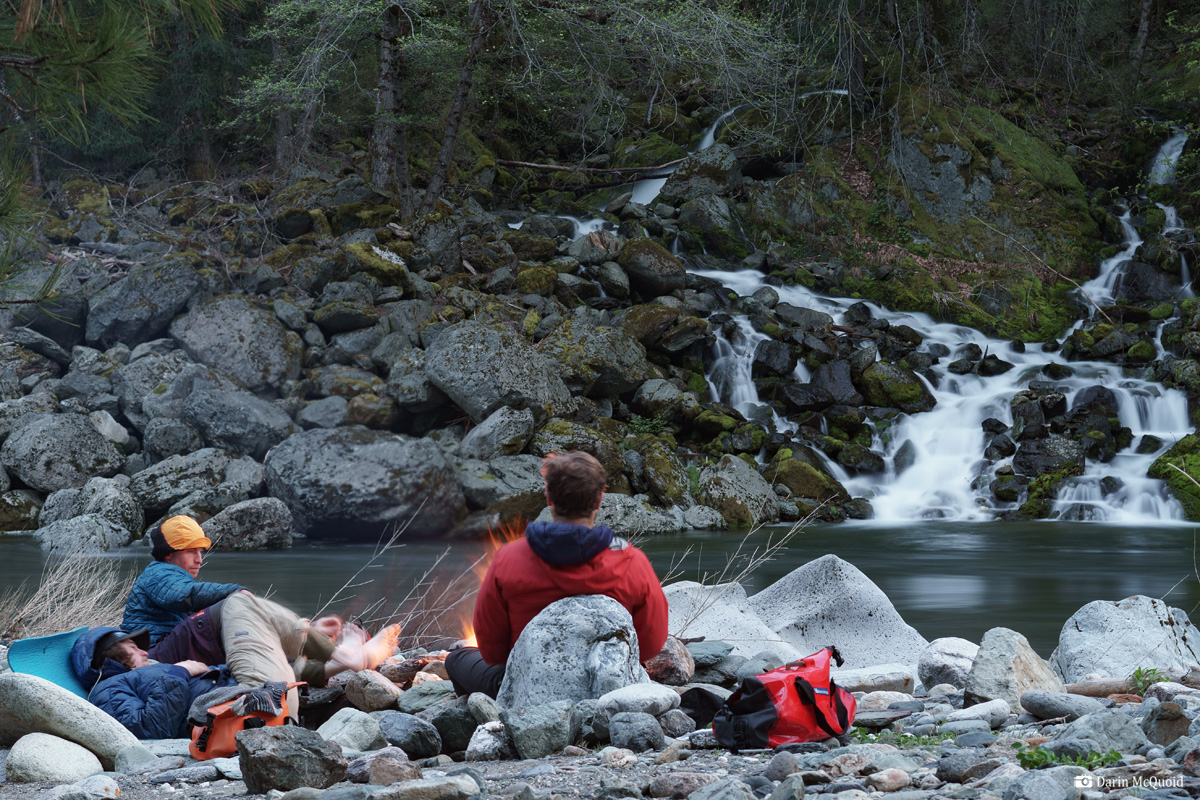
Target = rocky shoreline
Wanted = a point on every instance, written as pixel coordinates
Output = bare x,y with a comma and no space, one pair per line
1116,707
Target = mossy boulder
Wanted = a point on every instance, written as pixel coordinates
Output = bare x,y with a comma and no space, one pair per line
652,270
804,480
380,262
648,323
646,151
892,386
739,494
559,435
1185,455
712,171
292,223
86,198
352,216
537,279
595,361
710,219
530,247
665,475
19,510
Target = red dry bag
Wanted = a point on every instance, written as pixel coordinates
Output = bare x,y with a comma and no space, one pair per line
797,702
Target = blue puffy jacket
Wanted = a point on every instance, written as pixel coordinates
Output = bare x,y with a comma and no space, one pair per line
165,594
152,702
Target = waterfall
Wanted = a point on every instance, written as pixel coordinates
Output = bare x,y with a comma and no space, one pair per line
949,479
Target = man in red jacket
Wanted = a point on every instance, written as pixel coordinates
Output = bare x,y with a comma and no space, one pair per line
568,556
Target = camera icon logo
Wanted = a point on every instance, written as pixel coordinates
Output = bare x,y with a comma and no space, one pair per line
1087,782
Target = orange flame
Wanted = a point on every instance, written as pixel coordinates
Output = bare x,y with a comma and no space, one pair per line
497,537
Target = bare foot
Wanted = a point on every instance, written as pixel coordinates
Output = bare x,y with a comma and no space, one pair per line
330,626
355,654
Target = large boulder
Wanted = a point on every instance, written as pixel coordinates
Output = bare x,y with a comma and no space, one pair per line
237,421
139,306
85,533
38,757
483,368
1103,730
263,522
29,704
152,374
54,303
109,498
174,478
560,436
288,757
829,601
599,362
1113,639
630,517
354,481
652,270
49,452
1005,668
713,170
577,648
244,341
711,219
504,433
722,613
738,492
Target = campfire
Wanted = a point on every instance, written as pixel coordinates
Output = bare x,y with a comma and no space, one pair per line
497,537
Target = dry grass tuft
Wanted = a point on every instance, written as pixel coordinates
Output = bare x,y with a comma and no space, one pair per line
76,590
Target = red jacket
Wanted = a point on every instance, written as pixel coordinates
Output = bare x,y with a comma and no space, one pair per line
520,583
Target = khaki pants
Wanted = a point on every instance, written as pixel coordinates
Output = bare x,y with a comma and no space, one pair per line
262,640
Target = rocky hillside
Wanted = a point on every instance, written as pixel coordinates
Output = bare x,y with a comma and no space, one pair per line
282,356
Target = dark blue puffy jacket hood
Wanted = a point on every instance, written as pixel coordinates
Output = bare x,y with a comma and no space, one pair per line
81,658
561,543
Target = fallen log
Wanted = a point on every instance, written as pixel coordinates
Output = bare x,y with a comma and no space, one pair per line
1101,688
588,170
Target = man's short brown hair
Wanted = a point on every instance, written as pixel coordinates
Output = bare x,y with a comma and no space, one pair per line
575,482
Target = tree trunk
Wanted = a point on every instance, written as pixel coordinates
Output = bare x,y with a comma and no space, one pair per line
850,50
969,46
389,137
283,118
1139,48
480,17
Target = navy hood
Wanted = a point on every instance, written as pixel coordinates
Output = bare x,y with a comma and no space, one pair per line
81,658
563,544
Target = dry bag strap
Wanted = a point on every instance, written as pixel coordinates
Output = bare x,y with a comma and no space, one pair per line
205,732
808,696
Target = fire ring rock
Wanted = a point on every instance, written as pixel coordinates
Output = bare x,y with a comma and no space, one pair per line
288,757
577,648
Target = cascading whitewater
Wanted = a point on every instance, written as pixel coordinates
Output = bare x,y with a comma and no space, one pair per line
948,477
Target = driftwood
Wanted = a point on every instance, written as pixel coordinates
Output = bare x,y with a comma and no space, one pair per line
588,170
1101,688
1107,686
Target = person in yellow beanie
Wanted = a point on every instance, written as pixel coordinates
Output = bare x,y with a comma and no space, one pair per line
167,590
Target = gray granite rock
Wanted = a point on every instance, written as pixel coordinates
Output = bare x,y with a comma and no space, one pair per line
946,660
1006,667
49,452
288,757
1048,705
415,736
636,731
1113,639
538,731
38,757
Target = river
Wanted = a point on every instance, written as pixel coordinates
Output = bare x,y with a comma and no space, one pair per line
945,578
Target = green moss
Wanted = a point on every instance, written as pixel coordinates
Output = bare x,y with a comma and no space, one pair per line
536,280
696,383
715,422
379,262
1142,352
1185,456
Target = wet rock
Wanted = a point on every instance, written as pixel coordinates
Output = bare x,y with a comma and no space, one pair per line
482,369
772,357
576,648
713,170
828,601
260,523
651,269
1052,454
49,452
806,396
835,378
1112,639
246,342
892,386
1005,668
355,476
709,217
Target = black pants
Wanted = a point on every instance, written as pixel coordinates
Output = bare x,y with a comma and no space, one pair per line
470,673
